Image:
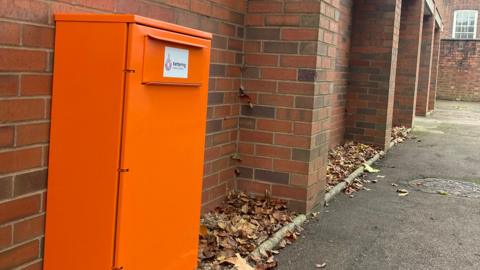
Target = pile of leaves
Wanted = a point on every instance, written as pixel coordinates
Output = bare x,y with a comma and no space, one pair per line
356,185
399,134
344,159
231,232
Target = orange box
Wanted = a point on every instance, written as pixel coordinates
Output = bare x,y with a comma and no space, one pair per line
127,144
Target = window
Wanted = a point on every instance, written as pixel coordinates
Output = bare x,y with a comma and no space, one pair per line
465,24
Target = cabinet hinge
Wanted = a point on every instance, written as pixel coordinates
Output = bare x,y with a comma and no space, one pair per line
129,70
123,170
118,268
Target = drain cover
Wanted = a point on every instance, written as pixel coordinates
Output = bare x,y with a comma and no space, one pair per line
453,187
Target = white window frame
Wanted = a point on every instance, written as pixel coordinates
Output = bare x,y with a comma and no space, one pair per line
455,22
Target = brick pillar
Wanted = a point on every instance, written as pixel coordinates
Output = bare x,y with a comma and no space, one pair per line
425,65
408,62
290,57
435,63
373,65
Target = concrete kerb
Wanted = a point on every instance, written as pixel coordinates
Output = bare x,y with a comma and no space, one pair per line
342,185
273,241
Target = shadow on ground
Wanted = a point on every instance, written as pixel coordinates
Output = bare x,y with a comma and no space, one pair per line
377,229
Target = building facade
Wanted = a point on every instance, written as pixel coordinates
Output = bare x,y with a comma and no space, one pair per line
460,59
317,72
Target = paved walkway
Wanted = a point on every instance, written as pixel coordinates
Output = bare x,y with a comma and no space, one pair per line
377,229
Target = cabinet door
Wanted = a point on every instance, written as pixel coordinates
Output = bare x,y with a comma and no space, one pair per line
87,104
162,150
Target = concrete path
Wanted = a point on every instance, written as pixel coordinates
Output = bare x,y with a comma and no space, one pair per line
377,229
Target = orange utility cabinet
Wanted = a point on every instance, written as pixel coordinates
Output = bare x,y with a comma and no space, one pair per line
127,143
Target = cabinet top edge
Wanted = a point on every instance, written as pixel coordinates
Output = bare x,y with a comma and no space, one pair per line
131,18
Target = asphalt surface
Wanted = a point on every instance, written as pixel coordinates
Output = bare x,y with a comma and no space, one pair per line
377,229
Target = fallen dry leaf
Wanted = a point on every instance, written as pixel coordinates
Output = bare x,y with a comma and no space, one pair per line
239,262
203,230
369,169
399,134
270,263
356,185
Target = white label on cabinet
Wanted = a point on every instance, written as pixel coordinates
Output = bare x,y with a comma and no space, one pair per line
175,63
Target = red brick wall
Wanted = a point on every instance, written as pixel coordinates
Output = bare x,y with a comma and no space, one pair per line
442,7
342,73
227,25
26,42
289,56
458,74
448,13
459,70
373,62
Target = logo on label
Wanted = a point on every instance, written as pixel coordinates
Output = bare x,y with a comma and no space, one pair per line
175,63
168,63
